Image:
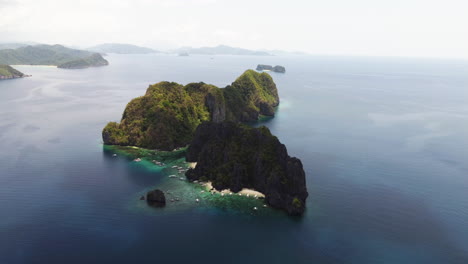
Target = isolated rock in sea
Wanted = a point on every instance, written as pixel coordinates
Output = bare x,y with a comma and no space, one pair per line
156,198
235,156
263,67
277,68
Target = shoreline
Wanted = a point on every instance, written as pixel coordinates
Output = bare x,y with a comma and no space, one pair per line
35,65
244,192
14,77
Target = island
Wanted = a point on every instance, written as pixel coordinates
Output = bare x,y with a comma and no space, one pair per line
119,48
56,55
223,150
94,60
8,72
234,156
277,68
167,116
222,50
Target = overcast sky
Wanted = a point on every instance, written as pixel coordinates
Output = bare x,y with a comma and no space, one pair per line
432,28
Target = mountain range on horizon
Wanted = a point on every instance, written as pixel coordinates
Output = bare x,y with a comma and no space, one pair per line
57,55
120,48
124,48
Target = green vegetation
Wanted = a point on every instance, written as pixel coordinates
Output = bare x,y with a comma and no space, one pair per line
8,72
168,114
241,155
51,55
250,95
296,203
91,61
164,118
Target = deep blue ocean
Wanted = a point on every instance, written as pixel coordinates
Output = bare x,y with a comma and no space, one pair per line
384,143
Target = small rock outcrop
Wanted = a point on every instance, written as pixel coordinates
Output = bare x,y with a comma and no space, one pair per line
235,156
156,198
277,68
264,67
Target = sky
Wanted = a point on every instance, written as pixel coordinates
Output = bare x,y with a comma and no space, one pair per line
416,28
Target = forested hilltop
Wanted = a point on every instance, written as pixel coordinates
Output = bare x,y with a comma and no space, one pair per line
168,114
8,72
57,55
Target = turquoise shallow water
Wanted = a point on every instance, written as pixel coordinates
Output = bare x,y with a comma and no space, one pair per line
383,141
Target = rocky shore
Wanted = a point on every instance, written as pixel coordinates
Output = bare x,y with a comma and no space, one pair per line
233,156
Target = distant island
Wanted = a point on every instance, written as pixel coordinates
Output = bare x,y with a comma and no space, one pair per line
166,117
57,55
119,48
277,68
15,45
234,156
8,72
222,50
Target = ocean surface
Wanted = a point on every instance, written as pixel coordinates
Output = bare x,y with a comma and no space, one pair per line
384,143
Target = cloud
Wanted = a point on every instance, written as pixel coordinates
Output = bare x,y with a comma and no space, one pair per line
363,27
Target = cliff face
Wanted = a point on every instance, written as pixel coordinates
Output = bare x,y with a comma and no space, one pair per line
168,114
235,156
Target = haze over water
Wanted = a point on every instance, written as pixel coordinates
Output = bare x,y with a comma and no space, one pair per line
383,142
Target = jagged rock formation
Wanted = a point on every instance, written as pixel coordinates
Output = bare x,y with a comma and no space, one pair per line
277,68
235,156
168,114
156,198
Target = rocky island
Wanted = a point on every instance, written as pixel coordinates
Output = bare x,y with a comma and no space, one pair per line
166,117
8,72
227,153
156,198
234,156
57,55
277,68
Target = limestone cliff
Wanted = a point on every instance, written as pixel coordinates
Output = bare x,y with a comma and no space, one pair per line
235,156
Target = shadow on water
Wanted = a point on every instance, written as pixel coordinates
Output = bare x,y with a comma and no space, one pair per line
392,217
